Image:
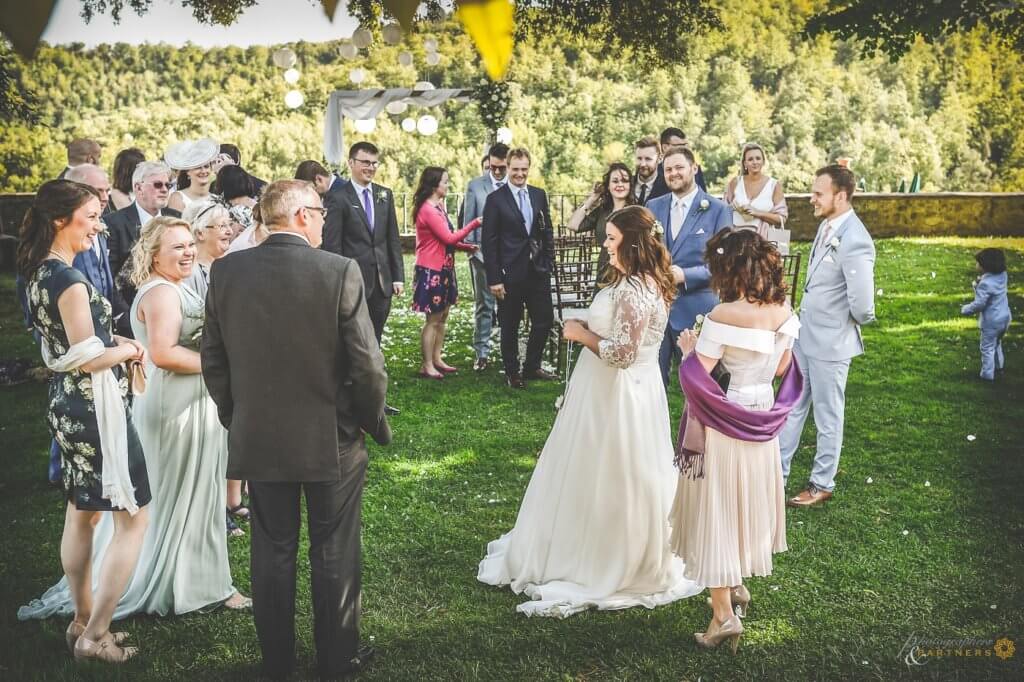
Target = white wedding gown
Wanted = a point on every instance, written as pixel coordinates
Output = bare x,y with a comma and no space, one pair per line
593,531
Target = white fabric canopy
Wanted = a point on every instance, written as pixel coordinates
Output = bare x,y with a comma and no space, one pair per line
359,104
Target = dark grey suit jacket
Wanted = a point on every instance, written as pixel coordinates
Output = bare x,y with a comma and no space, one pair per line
290,358
122,232
346,233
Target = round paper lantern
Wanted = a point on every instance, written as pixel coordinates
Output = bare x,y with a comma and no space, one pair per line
284,58
347,50
293,99
392,34
291,76
396,108
423,85
433,58
503,135
430,44
408,124
362,38
427,125
405,58
366,125
357,76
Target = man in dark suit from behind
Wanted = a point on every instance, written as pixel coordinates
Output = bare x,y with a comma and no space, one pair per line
290,358
81,150
519,255
323,180
152,183
362,225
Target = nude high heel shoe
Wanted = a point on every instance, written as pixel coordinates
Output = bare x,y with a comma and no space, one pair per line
740,598
730,630
75,630
105,650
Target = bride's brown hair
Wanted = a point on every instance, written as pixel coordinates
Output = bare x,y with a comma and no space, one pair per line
641,252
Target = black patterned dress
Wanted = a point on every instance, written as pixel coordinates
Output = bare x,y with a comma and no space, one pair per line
71,413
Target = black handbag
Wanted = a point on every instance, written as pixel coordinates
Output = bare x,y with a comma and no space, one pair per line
721,377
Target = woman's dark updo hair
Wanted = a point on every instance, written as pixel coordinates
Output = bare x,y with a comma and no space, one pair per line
991,260
56,200
124,168
744,265
233,182
430,178
641,252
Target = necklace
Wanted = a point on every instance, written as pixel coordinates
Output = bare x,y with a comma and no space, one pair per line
59,256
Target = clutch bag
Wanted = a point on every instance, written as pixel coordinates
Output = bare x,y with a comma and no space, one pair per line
137,377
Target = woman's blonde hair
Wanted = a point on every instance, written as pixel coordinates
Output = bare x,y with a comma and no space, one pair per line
743,155
148,244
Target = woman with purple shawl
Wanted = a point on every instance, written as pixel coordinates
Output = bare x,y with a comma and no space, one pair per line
729,514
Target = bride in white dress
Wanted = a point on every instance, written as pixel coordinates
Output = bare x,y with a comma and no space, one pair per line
593,527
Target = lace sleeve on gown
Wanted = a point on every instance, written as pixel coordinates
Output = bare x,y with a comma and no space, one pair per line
621,347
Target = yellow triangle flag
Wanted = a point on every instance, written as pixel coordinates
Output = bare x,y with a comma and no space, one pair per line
402,10
329,7
490,24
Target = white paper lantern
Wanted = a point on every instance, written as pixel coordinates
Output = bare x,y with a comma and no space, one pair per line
430,44
366,125
362,37
357,75
427,125
408,124
423,85
291,76
433,58
396,108
284,58
293,99
347,50
503,135
392,34
405,58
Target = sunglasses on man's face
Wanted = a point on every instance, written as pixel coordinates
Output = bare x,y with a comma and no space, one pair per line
161,185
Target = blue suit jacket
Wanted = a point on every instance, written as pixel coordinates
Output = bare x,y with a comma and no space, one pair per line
687,251
97,271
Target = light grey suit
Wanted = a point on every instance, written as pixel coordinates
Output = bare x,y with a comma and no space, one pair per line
473,208
839,296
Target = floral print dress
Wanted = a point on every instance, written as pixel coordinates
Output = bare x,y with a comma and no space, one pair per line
71,413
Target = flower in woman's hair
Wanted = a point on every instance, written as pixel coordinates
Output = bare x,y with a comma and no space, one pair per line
704,203
657,228
720,251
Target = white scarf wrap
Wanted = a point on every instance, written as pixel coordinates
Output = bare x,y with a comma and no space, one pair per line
110,418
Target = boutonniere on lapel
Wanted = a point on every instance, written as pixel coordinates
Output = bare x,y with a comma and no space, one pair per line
382,196
833,247
834,243
704,203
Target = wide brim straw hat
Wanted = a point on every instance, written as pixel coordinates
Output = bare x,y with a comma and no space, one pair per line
192,153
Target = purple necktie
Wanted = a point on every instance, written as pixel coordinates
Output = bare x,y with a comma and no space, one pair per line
368,207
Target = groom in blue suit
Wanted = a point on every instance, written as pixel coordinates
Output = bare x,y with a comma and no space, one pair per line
690,217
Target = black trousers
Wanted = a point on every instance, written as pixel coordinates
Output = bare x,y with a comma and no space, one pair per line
534,294
379,304
334,517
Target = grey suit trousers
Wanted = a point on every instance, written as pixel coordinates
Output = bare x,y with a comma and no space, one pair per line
825,390
334,517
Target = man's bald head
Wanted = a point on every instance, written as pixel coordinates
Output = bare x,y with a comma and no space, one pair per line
82,150
95,177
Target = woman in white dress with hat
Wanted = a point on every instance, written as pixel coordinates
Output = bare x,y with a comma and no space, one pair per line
197,162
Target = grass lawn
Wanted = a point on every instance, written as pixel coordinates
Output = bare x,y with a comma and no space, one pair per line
923,538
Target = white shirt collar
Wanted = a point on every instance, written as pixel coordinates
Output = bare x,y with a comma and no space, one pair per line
839,220
495,181
516,190
144,215
294,234
359,187
686,199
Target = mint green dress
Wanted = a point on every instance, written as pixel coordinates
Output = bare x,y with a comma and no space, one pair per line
184,561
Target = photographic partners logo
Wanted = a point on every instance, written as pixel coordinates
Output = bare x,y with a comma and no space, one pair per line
921,651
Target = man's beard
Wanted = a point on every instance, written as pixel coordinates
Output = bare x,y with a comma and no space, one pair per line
645,178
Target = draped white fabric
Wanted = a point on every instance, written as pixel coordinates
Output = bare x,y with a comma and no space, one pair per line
360,104
110,420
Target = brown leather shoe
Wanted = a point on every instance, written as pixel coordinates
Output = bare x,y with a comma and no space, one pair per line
516,381
809,497
542,375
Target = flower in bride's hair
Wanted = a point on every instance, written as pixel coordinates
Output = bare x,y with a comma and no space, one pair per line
657,229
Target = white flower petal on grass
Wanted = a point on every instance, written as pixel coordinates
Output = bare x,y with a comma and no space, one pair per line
870,480
906,532
933,275
879,292
971,437
927,484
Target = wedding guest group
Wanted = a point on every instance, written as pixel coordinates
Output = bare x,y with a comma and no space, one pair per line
518,246
992,307
484,303
838,297
435,289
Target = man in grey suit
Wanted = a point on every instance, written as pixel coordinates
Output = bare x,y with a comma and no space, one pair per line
473,208
290,358
362,225
838,298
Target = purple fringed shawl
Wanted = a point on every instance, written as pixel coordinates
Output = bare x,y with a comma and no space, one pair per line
706,405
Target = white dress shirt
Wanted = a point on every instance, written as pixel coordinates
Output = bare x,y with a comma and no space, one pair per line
680,208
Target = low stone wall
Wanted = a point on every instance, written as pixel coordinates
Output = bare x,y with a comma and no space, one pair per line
965,214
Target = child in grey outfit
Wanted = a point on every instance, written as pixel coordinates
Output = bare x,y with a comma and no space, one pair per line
992,307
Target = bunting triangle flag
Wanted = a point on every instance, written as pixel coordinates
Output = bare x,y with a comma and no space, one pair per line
24,22
402,10
490,24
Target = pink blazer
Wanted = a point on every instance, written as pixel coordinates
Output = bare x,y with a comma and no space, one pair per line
434,236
